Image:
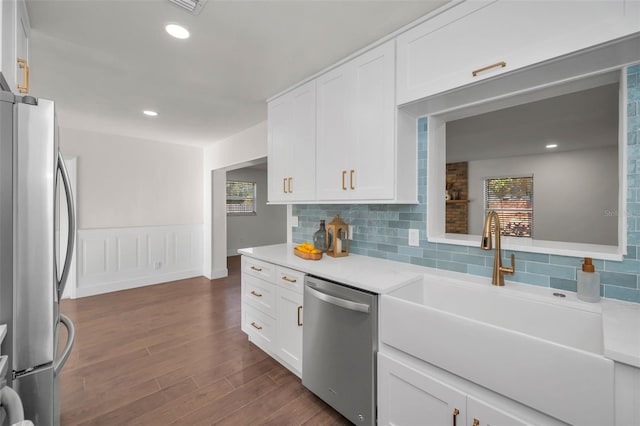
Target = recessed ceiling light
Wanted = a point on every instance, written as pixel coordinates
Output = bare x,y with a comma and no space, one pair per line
177,31
551,146
149,113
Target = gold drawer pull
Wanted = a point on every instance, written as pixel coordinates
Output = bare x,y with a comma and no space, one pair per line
299,312
284,185
289,180
256,326
24,88
488,67
351,179
256,269
344,174
256,294
291,280
455,415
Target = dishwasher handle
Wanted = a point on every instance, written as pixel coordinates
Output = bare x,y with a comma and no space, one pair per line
346,304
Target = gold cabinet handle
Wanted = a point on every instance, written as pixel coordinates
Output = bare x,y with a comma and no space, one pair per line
256,326
291,280
256,294
284,185
351,179
455,415
476,422
256,269
290,190
299,316
344,174
24,88
488,67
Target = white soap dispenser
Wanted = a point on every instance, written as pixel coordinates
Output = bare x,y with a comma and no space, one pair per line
588,282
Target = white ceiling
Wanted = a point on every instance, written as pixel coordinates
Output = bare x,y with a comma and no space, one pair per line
103,62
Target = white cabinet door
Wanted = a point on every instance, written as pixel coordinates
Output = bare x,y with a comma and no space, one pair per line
477,40
356,134
289,324
409,397
334,132
484,414
291,145
372,148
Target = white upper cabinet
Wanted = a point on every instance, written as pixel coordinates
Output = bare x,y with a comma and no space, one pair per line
291,145
14,46
356,143
481,39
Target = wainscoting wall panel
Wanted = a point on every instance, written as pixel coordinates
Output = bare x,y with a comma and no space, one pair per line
112,259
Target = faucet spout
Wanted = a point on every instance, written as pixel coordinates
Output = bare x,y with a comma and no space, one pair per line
486,244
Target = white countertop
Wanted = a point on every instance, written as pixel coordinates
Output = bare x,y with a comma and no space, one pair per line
367,273
620,320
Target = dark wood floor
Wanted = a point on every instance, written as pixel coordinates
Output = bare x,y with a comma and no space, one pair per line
174,354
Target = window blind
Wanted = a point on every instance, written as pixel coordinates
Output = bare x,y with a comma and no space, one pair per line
241,198
512,199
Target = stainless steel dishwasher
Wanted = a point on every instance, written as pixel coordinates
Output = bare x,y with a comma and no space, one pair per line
340,341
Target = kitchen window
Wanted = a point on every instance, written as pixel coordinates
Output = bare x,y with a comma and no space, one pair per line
241,198
512,199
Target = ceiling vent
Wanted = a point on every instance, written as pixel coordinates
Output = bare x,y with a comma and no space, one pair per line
192,6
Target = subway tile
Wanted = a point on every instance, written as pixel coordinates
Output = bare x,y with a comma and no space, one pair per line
632,80
377,254
477,251
627,266
427,245
631,252
480,270
412,216
632,138
621,293
443,255
632,109
388,248
527,278
401,224
452,266
566,272
563,284
410,251
431,263
530,257
468,259
619,279
575,262
398,257
453,248
429,253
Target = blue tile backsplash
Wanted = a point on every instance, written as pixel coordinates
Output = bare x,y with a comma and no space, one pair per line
382,230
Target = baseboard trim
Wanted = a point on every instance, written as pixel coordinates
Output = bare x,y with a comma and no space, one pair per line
218,273
133,283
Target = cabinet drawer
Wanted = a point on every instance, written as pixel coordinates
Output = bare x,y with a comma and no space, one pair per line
259,327
290,278
259,269
259,293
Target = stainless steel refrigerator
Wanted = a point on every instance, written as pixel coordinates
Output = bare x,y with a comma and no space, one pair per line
31,284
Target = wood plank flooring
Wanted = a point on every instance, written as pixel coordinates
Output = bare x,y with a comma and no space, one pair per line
174,354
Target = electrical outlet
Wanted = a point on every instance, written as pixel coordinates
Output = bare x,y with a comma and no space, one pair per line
294,221
351,232
414,237
157,265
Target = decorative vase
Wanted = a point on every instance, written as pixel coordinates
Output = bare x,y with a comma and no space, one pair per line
320,238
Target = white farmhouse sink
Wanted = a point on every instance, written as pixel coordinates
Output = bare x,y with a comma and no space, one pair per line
543,352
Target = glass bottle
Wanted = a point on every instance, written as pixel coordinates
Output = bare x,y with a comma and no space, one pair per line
320,238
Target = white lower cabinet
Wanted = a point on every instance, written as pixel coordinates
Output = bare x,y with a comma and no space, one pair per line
289,315
409,395
271,310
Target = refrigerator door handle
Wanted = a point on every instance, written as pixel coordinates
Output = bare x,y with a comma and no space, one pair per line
72,226
59,363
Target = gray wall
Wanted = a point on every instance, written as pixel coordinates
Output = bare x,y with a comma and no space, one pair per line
268,226
572,191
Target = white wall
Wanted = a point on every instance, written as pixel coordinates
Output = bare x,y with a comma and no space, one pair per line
139,206
126,181
566,185
241,149
268,226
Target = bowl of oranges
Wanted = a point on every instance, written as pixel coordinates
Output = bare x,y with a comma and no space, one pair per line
307,251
